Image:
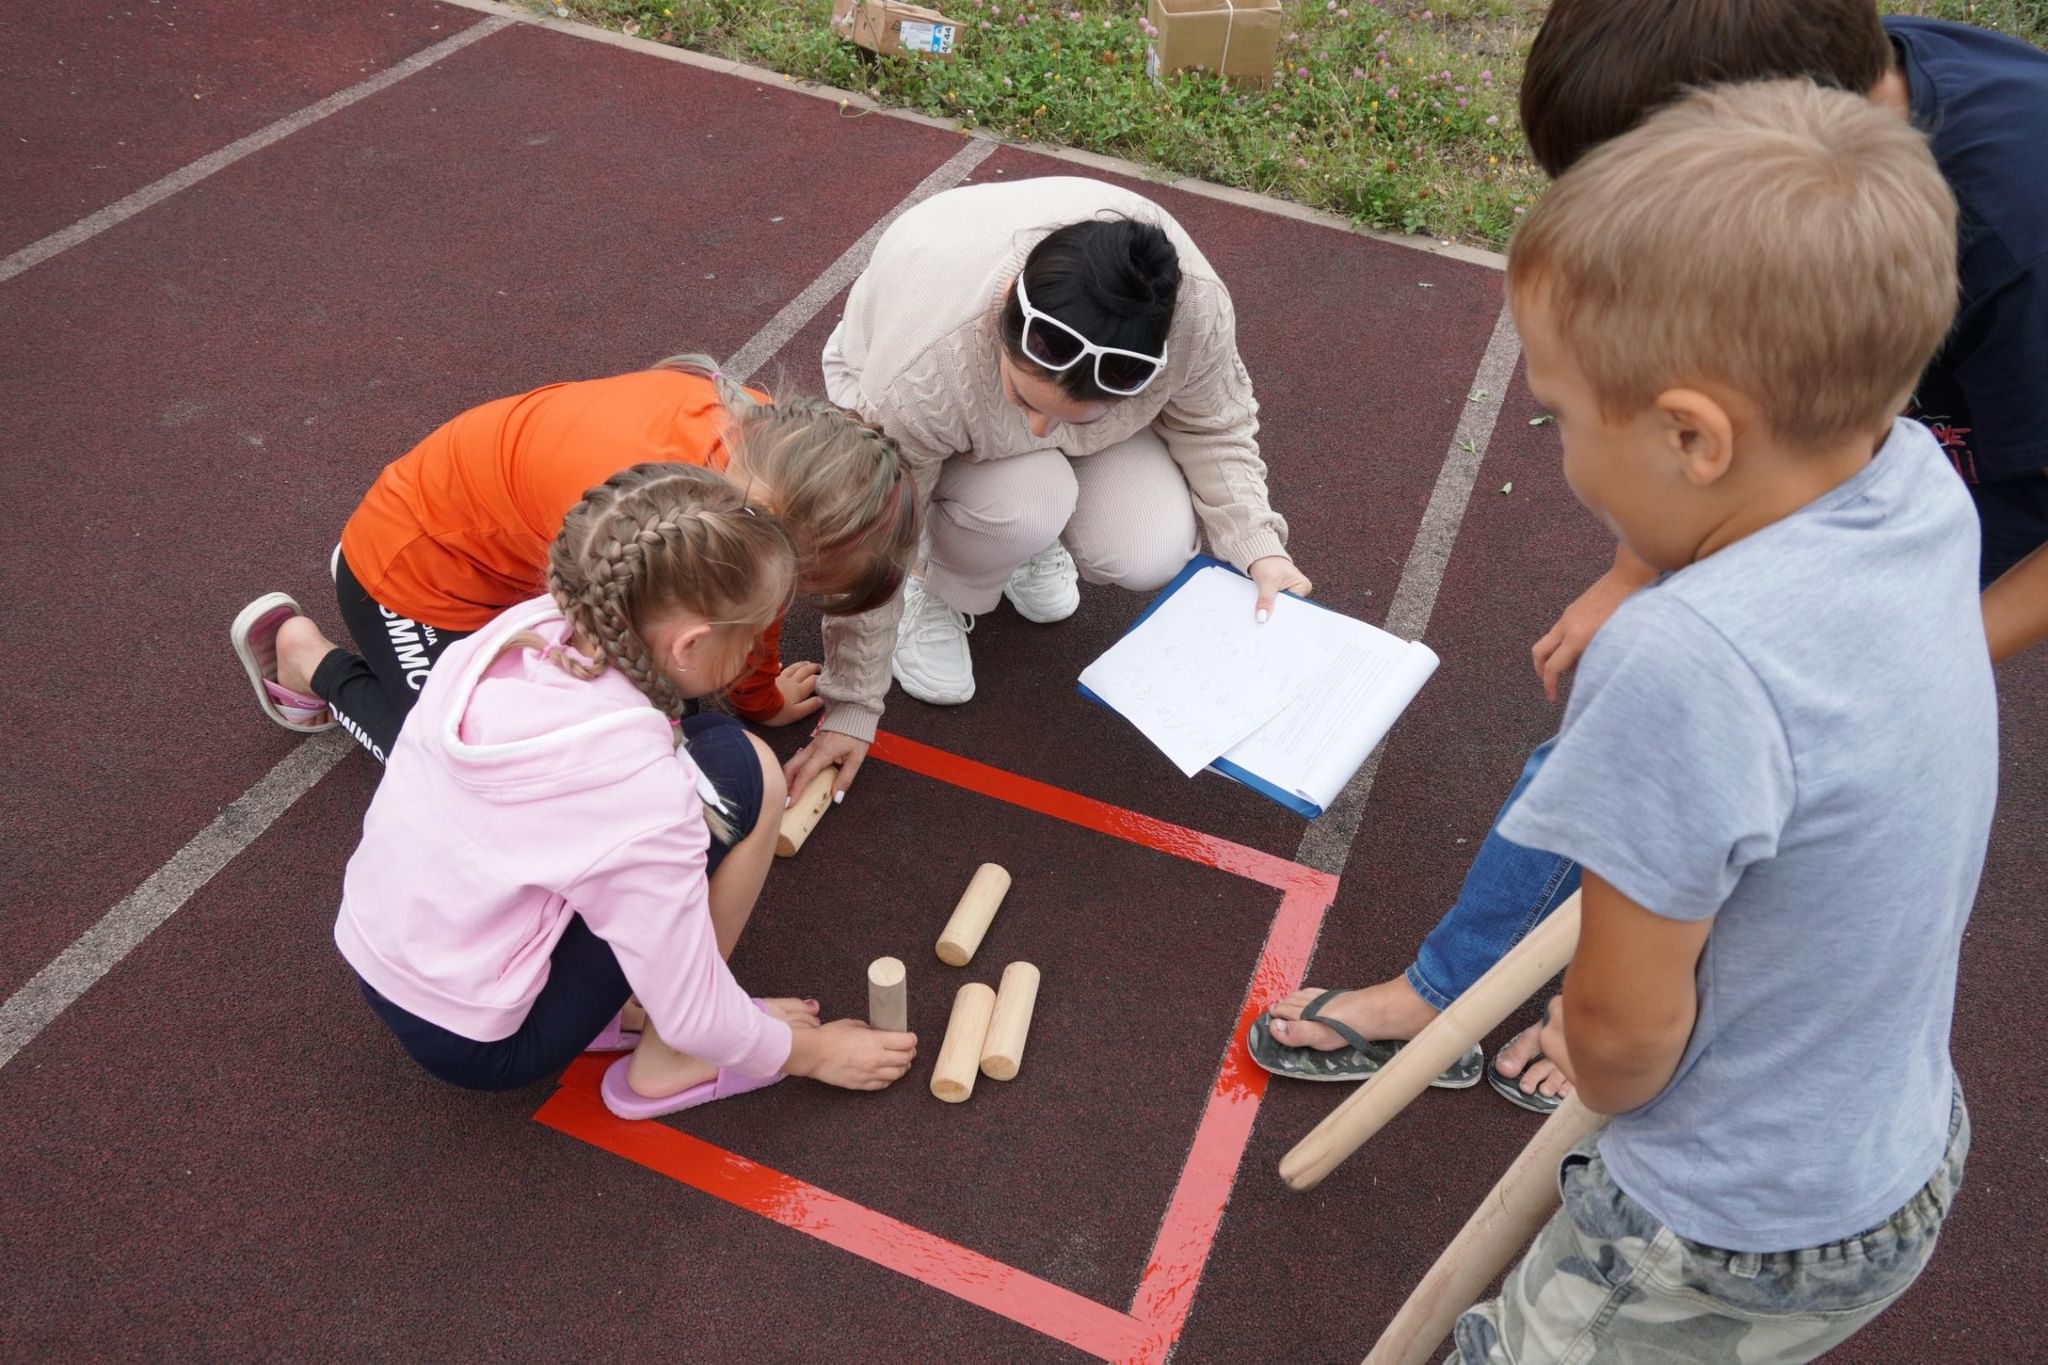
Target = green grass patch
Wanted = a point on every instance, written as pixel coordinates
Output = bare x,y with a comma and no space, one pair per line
1398,116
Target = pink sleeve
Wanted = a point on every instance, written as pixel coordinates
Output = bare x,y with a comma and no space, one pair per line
649,899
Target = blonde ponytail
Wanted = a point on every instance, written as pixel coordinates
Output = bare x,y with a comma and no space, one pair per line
840,488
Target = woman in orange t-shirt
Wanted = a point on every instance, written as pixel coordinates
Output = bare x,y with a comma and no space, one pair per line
458,529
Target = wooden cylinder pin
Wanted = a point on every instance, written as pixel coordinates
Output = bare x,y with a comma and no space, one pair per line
1003,1051
805,812
960,1055
888,1007
978,904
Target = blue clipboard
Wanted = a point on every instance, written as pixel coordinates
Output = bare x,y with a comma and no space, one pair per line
1308,810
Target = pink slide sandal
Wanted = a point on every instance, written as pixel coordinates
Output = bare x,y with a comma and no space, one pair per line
254,635
615,1037
622,1099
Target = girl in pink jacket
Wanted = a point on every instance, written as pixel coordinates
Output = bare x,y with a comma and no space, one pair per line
551,838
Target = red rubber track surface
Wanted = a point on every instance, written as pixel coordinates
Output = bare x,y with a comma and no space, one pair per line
219,1154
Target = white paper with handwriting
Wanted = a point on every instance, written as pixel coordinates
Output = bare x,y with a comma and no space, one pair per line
1296,704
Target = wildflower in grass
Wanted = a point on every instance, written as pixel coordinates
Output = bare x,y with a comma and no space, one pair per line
1493,120
1463,103
1486,78
1393,92
1301,72
1301,163
1357,73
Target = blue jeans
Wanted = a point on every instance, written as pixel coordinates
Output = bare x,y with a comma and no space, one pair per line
1507,892
585,985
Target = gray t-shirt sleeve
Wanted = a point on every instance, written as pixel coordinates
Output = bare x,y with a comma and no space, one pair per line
1672,773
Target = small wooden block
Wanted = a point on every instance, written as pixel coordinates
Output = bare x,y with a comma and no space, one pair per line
804,813
978,904
960,1055
1002,1052
888,1004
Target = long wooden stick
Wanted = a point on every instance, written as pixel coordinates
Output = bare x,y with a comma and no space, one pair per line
1473,1015
1499,1228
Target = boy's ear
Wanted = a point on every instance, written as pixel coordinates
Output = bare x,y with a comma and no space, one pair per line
1700,433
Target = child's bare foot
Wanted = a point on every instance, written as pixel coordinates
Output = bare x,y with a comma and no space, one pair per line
300,648
1391,1011
1523,1057
633,1016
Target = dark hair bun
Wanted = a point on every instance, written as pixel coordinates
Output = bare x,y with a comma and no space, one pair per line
1113,280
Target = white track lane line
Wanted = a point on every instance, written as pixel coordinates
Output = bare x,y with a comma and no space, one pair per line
121,210
1326,845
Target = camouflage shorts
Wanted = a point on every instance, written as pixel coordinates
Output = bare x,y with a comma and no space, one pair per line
1605,1284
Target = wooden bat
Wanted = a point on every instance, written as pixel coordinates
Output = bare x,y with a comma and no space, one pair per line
1512,1212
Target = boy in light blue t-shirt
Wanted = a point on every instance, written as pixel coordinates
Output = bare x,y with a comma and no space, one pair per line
1779,764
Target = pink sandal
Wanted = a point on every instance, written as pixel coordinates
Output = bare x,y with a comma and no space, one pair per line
622,1099
615,1037
254,635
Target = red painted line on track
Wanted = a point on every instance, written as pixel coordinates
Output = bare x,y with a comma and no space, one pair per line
1166,1291
576,1110
1187,1234
1089,813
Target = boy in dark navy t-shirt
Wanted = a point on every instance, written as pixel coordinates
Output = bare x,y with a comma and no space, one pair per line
1982,100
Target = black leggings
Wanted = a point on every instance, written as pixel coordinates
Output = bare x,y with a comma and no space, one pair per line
585,986
372,693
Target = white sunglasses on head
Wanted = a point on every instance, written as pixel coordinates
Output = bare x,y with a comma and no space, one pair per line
1056,348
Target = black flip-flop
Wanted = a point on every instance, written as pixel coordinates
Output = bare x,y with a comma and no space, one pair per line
1511,1090
1360,1059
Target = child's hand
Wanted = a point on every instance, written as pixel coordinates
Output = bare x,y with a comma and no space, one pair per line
849,1054
1564,642
1551,1039
798,685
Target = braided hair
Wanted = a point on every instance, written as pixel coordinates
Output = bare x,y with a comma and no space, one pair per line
658,538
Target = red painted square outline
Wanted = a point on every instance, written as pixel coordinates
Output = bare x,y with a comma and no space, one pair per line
1166,1290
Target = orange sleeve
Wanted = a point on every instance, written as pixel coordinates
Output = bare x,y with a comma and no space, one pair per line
754,693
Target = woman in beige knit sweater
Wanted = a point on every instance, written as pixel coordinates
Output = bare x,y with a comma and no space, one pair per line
1059,364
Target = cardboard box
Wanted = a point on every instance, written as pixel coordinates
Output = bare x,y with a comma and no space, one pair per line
1238,39
890,26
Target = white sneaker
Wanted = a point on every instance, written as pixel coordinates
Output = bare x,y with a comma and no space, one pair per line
931,659
1047,588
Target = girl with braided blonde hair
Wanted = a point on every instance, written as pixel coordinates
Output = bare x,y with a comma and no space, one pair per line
558,859
459,529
